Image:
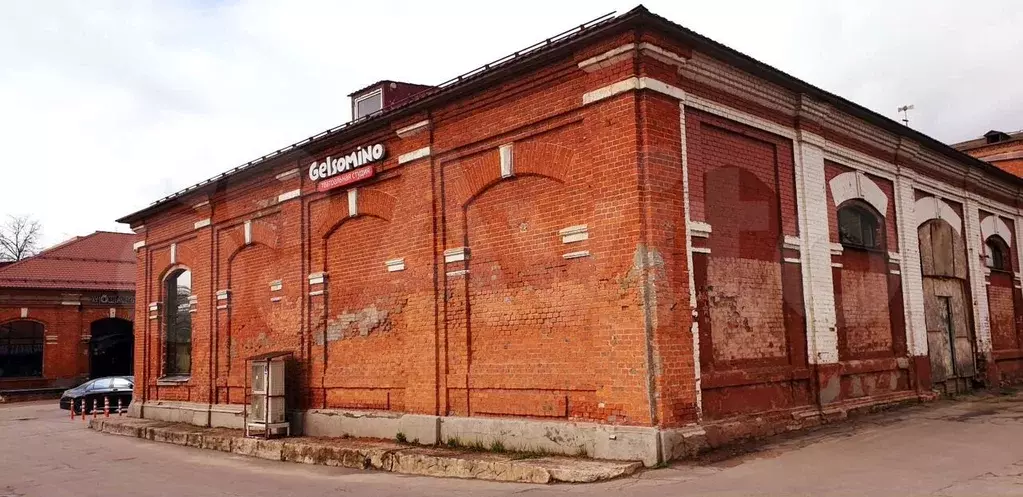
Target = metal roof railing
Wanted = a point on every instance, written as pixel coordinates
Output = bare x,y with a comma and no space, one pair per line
518,54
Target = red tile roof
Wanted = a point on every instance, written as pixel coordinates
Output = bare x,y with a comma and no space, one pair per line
100,261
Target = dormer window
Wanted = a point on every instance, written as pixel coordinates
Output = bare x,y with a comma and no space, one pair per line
367,104
995,136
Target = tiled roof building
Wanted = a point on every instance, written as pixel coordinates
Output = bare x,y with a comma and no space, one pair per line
66,314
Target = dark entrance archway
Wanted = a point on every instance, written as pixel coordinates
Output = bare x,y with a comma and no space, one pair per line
112,348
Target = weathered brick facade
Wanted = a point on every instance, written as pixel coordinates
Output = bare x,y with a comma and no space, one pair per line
629,237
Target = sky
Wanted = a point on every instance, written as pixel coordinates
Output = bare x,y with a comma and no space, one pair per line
106,106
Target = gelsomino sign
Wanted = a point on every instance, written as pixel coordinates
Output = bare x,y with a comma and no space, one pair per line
339,171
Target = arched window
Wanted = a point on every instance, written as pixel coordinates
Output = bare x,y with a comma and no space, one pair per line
21,349
178,323
858,227
997,254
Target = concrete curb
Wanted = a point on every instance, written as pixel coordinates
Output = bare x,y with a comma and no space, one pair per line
381,455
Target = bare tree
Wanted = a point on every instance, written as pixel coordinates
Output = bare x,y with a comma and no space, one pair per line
19,238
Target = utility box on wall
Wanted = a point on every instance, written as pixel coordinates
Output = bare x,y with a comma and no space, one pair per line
266,415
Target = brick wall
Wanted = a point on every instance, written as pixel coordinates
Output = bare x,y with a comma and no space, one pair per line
493,310
66,331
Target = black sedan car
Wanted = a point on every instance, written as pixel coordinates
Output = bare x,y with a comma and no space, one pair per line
95,391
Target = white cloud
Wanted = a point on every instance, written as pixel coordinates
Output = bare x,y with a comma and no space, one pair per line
107,106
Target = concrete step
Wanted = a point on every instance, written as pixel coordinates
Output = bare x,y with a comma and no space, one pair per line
374,454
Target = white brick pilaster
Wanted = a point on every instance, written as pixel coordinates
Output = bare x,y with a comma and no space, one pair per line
1016,247
912,279
815,250
978,288
695,327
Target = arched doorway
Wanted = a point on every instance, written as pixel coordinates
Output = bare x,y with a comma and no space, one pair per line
111,349
947,307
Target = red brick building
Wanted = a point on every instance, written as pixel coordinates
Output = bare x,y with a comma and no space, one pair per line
1002,149
628,240
66,314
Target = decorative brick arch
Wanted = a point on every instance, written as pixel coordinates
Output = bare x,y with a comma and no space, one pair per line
994,226
369,202
45,324
856,185
928,208
535,158
183,256
260,232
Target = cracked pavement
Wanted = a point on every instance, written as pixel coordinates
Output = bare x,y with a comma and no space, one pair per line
972,446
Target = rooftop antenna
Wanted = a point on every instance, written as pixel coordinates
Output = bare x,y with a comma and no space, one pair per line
905,113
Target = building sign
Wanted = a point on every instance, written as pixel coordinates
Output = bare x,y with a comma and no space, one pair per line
339,171
117,299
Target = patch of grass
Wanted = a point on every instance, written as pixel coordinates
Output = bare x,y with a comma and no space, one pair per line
401,438
415,442
530,453
497,446
454,443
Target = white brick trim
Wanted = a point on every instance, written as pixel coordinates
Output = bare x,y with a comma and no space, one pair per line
573,234
576,255
413,129
139,244
288,195
694,328
414,155
507,152
174,253
993,225
699,229
286,175
608,58
978,283
24,312
353,202
317,278
610,90
793,243
456,254
632,84
855,184
394,265
248,232
815,254
666,56
700,250
912,278
202,223
928,208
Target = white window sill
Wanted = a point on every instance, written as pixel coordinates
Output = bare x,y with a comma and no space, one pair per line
173,380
